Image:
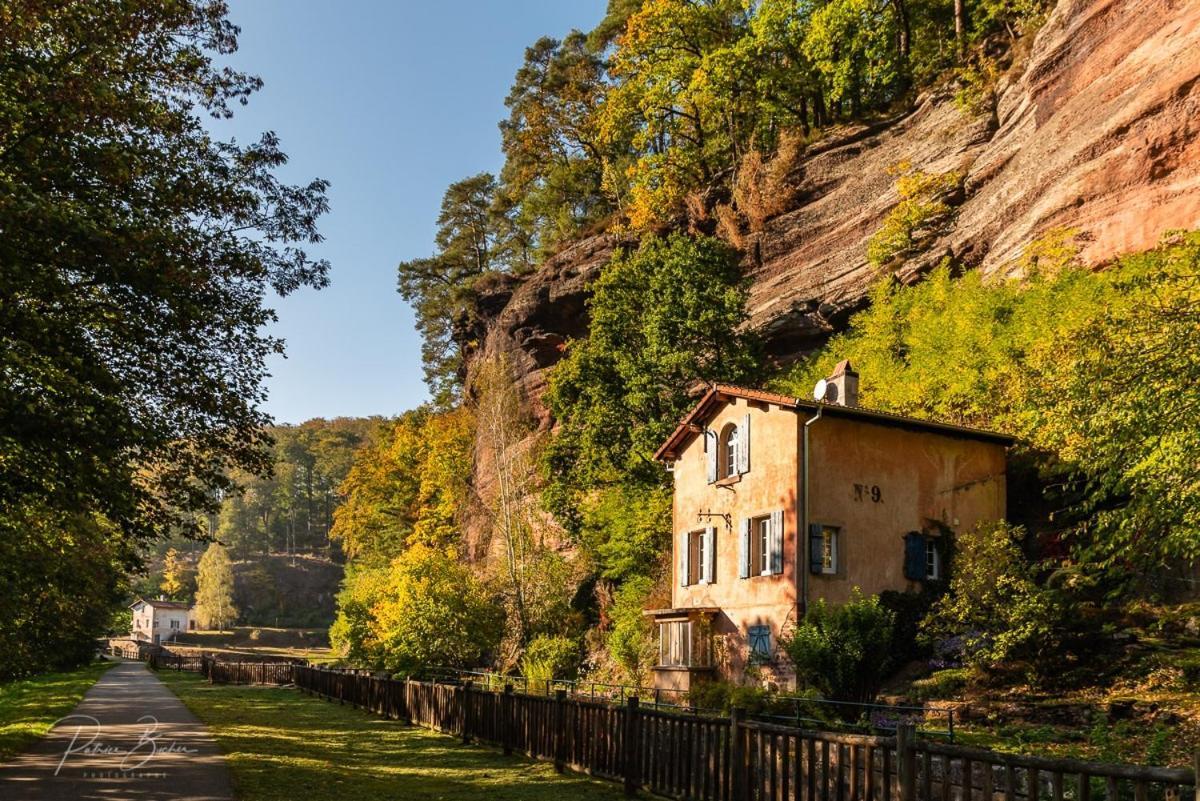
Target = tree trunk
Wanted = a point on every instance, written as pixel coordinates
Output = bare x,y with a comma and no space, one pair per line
904,33
960,26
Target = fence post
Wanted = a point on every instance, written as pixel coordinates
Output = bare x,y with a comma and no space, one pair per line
560,734
630,757
737,755
1196,772
466,713
906,761
506,722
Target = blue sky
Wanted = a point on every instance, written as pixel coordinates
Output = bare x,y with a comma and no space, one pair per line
390,101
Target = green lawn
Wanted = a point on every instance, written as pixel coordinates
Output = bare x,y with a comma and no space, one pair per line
284,745
29,707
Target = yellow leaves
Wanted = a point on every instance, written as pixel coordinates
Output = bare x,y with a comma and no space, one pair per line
408,486
918,217
1048,255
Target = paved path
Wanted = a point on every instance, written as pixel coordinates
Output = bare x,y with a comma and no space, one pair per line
130,739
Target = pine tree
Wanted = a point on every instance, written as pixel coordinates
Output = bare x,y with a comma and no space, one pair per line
214,596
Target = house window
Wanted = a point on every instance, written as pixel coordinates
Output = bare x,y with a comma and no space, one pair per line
729,451
675,643
829,549
933,560
760,551
698,556
759,638
696,545
760,540
683,643
823,549
174,624
922,559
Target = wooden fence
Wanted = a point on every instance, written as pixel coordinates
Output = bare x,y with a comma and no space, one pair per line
220,671
730,758
165,661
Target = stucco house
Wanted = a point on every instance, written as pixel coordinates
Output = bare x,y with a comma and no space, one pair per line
780,501
160,621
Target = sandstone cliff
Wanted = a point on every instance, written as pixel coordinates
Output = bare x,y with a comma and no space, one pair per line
1097,129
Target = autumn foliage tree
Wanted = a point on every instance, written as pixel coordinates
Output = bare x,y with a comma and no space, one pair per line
137,254
214,589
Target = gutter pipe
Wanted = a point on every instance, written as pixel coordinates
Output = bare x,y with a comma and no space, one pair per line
802,534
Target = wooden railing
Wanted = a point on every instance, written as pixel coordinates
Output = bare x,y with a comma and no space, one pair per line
732,759
165,661
220,671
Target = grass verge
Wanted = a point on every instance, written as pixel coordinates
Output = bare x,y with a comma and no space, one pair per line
29,707
281,744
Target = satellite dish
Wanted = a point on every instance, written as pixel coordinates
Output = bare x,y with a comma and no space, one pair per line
821,390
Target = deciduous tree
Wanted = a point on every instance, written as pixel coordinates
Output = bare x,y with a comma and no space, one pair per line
137,255
214,589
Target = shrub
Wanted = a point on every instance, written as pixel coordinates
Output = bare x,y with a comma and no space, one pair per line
427,610
909,609
995,605
631,640
942,684
844,651
547,658
724,696
921,213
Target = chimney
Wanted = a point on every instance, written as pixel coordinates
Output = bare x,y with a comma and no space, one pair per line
842,385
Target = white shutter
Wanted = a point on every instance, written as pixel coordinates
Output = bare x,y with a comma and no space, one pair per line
710,451
744,549
743,454
685,559
710,552
777,542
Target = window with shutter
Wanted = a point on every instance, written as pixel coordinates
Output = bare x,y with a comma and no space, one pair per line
823,549
914,556
759,638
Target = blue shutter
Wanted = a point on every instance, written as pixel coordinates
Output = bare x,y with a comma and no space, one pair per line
914,556
816,548
744,549
777,542
685,559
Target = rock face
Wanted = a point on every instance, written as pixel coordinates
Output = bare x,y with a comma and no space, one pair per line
535,317
1097,130
1101,133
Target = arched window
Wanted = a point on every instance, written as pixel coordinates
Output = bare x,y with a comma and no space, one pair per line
729,451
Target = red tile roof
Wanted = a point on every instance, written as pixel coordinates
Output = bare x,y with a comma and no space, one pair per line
719,394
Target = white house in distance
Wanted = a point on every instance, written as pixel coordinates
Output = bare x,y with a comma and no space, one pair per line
160,621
